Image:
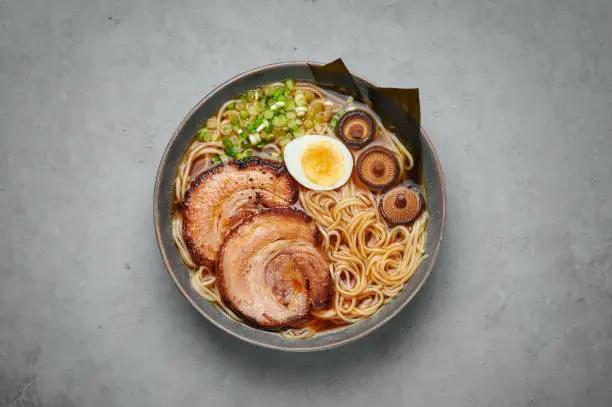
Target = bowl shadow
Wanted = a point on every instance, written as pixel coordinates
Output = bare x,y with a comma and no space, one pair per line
315,367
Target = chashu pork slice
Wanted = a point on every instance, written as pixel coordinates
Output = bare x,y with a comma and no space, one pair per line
271,269
225,195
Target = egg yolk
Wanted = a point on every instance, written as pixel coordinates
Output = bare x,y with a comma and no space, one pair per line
322,163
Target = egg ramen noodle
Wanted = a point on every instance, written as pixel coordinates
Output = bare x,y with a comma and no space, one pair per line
369,256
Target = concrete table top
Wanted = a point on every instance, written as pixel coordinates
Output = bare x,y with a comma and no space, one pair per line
517,97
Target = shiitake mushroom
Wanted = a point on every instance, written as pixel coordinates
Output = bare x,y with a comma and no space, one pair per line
356,128
378,168
402,204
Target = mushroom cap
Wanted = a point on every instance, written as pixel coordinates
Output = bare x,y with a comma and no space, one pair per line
356,128
378,168
402,204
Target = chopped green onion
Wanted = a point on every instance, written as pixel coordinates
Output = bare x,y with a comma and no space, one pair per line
290,83
291,115
230,106
244,114
244,154
268,90
268,114
334,120
301,101
254,138
227,142
252,109
230,152
283,141
203,134
262,144
262,126
277,105
226,130
233,115
292,124
290,104
279,121
236,140
281,98
216,160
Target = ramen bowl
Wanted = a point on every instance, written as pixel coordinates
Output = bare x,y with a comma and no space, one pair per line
162,207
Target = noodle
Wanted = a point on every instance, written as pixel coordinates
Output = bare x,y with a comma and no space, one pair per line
370,261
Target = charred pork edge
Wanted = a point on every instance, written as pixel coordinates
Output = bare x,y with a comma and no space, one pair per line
278,169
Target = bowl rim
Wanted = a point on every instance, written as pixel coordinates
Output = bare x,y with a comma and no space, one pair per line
158,231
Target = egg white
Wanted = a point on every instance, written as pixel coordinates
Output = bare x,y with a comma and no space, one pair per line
293,154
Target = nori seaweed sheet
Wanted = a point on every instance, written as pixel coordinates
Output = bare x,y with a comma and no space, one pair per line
399,109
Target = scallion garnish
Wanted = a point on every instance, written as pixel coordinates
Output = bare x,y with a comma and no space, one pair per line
254,138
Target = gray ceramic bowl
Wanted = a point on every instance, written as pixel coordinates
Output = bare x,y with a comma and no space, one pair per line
179,273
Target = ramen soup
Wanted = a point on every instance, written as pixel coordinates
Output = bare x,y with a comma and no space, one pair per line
293,210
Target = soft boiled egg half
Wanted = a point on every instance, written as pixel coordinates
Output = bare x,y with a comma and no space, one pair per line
318,162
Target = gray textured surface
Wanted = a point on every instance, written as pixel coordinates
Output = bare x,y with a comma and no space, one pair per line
517,98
